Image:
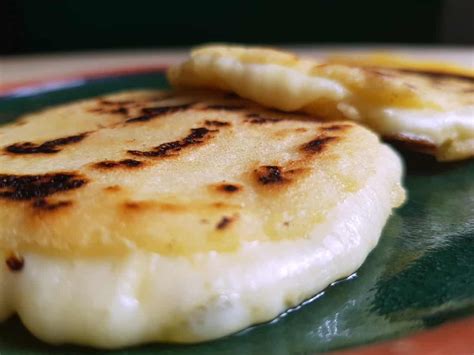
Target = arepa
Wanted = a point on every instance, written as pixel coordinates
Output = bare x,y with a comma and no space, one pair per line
181,217
429,110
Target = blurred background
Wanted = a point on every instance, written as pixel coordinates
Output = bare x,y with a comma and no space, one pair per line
45,26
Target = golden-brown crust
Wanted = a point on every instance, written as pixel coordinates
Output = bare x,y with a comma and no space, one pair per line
150,183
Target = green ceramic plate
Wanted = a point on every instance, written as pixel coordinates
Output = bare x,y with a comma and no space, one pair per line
421,274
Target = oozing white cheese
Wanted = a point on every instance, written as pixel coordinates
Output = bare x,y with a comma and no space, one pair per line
434,126
299,91
113,302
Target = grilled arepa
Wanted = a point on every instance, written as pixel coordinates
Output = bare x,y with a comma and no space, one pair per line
425,106
181,217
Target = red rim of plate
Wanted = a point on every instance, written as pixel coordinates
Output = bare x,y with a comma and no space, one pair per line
63,81
455,337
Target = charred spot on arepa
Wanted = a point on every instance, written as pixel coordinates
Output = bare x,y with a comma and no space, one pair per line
112,188
318,144
269,175
149,113
113,107
225,222
273,175
137,208
166,206
15,262
198,136
113,164
36,187
337,127
216,123
226,188
256,118
49,147
119,110
46,205
134,207
301,130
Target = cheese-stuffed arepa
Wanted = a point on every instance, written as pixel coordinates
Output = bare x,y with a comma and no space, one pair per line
181,217
425,106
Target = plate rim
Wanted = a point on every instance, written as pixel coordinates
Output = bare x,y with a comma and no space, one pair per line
63,81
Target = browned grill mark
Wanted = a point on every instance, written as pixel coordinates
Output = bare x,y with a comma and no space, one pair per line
108,106
34,187
218,205
269,175
112,188
301,130
48,147
120,110
132,205
196,137
336,127
125,163
224,223
225,107
227,188
15,263
256,118
216,123
149,113
45,205
146,205
317,145
230,188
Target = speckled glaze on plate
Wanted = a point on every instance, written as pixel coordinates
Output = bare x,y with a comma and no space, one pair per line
421,274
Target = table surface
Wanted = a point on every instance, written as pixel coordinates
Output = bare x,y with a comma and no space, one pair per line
24,68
